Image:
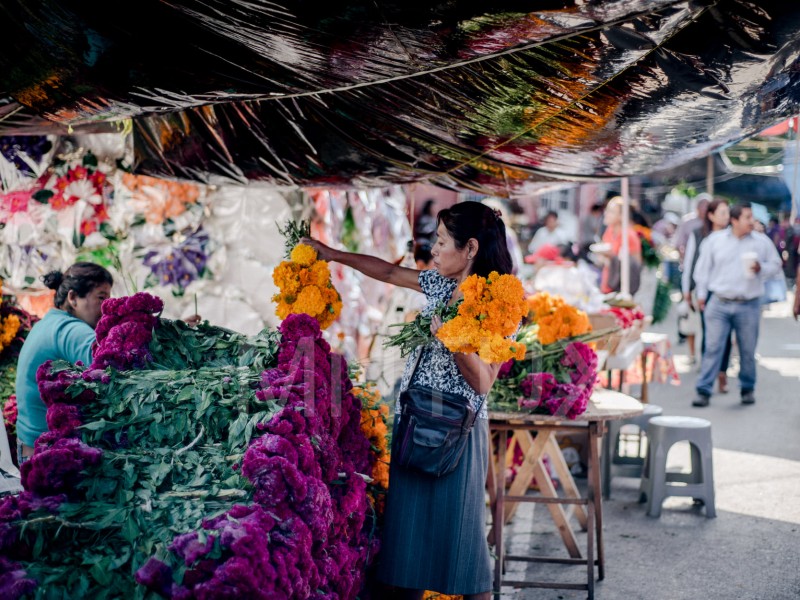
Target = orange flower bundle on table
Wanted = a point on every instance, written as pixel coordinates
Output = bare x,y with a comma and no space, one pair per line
556,319
489,313
305,282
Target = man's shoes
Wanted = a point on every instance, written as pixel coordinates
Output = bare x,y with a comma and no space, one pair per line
748,397
702,400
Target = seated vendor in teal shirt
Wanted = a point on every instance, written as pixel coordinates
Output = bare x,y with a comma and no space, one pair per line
65,333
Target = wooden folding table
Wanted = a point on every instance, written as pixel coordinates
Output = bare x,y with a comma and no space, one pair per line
536,436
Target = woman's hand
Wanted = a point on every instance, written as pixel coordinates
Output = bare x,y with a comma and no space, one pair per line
193,320
436,324
323,252
688,297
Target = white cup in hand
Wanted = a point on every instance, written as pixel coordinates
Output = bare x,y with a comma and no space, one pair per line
749,260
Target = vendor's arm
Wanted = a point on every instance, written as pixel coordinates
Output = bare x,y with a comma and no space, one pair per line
479,375
371,266
74,341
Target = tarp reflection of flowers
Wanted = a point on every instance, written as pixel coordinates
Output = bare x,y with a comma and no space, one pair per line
160,199
490,312
180,264
85,183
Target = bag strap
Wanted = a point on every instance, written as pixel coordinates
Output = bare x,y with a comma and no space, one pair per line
411,378
416,364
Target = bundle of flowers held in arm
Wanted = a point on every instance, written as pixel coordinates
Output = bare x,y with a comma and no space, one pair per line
483,322
489,314
304,282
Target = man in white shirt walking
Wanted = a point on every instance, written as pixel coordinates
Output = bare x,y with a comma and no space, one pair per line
550,234
733,265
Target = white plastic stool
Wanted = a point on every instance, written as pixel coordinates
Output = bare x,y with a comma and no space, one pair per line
613,462
657,484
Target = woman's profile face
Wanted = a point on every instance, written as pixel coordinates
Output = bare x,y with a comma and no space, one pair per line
88,308
721,216
613,214
447,259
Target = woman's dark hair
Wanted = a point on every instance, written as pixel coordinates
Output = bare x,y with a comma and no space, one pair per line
427,208
475,220
82,278
708,226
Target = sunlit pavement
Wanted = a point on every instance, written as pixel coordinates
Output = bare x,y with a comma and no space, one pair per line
752,549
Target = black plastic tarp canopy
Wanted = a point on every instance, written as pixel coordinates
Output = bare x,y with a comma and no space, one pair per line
484,96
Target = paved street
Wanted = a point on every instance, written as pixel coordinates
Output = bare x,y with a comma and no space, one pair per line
751,551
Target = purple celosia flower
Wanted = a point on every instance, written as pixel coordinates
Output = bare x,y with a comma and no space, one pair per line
13,583
505,369
568,400
53,386
57,469
156,576
127,346
581,360
64,418
299,326
536,388
189,547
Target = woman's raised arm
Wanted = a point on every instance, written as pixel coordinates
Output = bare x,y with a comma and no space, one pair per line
370,266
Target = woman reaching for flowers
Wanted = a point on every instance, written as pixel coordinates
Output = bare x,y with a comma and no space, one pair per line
434,536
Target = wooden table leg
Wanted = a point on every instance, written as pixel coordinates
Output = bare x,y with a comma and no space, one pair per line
644,378
553,450
499,518
595,497
532,450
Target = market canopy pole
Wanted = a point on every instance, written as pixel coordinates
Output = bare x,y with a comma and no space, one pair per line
624,256
710,174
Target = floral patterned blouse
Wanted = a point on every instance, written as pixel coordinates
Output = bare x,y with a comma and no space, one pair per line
438,369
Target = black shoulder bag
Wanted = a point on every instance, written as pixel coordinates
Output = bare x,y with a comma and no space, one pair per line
433,428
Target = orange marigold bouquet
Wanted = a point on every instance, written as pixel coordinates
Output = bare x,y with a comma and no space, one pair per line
484,322
556,320
488,315
304,282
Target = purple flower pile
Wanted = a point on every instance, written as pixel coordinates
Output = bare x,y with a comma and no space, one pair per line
125,331
60,460
305,535
565,393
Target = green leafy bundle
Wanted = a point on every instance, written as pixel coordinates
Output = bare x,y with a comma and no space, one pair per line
418,332
170,437
293,232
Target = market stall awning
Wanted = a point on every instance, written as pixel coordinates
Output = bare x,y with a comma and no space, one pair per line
372,93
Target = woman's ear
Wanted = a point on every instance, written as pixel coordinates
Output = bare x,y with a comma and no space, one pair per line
472,248
72,298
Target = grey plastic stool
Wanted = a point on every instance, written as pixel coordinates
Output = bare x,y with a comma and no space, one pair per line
657,484
613,463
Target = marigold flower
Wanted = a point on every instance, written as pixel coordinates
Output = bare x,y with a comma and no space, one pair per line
303,255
